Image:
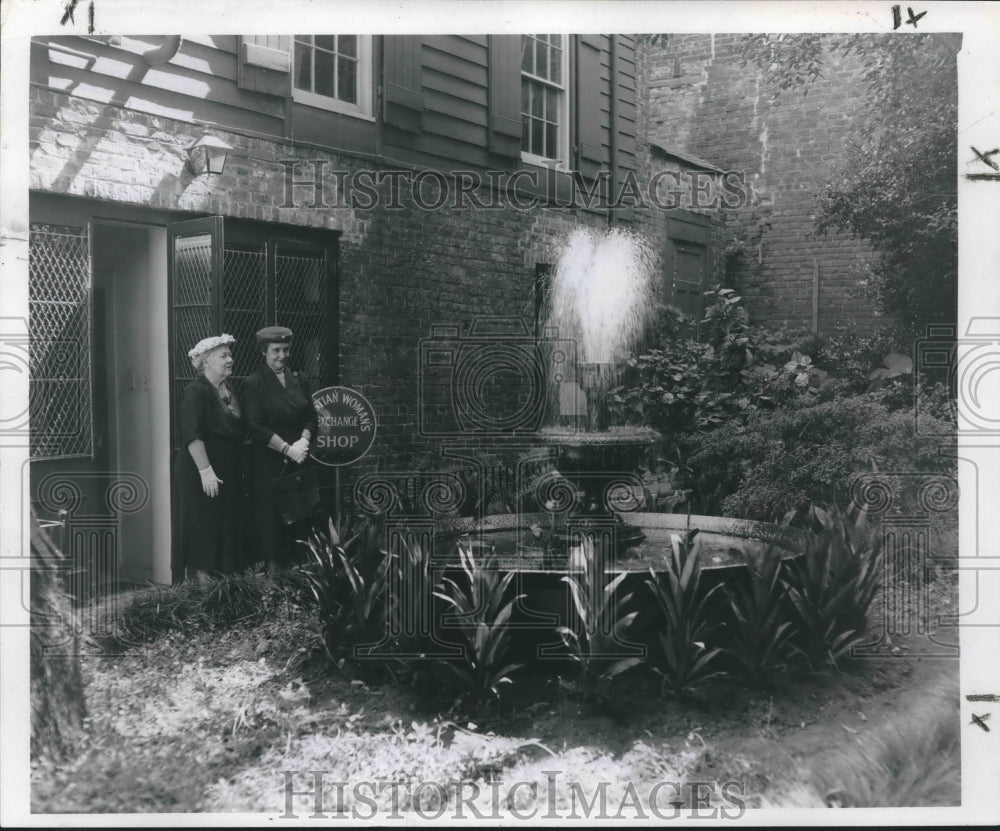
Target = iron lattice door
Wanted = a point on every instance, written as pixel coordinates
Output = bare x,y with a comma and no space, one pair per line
59,349
195,268
282,282
242,281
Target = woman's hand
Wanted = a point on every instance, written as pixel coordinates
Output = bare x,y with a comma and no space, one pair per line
298,452
209,481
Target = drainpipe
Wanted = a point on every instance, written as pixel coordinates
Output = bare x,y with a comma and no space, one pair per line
613,182
164,52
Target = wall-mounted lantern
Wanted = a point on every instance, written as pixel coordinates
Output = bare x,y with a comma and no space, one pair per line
207,155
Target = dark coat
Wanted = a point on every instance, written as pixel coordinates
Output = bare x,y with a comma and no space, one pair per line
210,529
271,408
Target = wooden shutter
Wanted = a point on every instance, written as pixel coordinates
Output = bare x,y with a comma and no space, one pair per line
504,59
590,154
686,262
265,64
625,101
623,112
402,83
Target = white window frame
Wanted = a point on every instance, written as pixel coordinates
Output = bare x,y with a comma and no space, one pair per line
561,163
363,109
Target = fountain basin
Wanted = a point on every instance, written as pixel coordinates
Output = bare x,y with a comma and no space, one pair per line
721,542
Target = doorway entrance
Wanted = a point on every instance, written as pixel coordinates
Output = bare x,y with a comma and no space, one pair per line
132,390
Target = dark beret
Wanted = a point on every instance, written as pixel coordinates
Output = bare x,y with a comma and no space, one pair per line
274,334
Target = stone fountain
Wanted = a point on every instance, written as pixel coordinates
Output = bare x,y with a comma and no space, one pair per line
603,296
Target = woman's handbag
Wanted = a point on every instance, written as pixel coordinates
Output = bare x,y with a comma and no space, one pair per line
297,494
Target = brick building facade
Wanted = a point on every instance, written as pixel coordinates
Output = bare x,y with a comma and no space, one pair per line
702,100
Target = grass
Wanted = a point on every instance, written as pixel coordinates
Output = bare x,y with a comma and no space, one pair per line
913,759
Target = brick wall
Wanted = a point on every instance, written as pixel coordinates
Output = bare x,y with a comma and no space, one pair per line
702,101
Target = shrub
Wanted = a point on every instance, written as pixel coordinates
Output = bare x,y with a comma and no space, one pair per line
832,585
350,589
597,640
760,646
482,604
682,661
793,457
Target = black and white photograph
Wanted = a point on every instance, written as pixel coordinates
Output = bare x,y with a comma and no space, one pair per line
426,420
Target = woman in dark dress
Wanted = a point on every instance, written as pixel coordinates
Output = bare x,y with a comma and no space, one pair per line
209,469
281,418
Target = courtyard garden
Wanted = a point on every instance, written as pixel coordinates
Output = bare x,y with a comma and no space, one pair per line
408,683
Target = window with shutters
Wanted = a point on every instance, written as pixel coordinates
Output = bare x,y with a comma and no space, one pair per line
544,99
334,72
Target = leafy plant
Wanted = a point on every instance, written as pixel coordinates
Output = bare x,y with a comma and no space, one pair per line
597,640
832,585
760,647
482,605
350,589
683,660
794,456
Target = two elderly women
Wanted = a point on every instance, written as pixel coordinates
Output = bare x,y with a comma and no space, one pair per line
277,412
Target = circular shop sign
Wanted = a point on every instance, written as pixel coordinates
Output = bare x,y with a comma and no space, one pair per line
346,426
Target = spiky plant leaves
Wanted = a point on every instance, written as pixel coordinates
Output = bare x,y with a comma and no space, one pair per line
351,599
833,585
600,630
761,645
480,601
683,661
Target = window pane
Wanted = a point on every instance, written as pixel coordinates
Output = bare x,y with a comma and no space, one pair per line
541,58
526,53
348,45
304,38
537,101
324,74
326,42
525,134
303,67
551,136
347,82
525,94
551,102
555,64
537,137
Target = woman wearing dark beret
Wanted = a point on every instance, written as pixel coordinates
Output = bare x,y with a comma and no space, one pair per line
208,470
277,404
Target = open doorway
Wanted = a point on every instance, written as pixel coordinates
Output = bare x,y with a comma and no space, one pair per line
132,390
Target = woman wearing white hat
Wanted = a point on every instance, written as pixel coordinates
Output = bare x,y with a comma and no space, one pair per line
209,469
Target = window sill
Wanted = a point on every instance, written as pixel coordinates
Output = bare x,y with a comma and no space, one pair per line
557,165
322,102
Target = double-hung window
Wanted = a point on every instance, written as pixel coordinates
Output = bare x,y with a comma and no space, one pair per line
545,99
334,72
